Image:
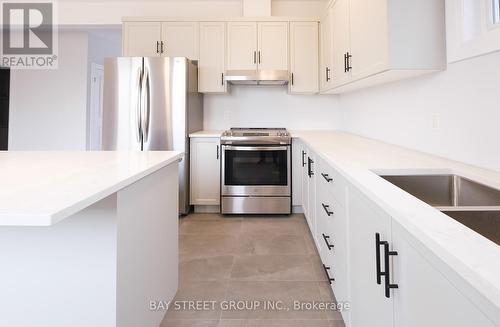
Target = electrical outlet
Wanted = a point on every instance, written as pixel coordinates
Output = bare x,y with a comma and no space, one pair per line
435,122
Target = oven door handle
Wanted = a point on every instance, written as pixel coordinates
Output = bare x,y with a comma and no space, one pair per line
255,148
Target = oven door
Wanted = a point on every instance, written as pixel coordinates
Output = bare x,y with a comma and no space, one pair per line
256,170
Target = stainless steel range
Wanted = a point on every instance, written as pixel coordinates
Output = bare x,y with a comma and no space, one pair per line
256,171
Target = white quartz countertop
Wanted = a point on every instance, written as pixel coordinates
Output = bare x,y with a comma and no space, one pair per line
43,188
475,258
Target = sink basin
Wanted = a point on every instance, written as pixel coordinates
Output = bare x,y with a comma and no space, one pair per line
472,204
446,190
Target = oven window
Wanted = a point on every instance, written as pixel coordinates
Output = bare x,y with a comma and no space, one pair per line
256,167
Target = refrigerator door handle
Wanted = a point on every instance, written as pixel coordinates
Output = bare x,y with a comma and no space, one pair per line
139,104
146,104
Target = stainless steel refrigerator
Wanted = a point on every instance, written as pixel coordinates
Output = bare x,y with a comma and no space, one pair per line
152,104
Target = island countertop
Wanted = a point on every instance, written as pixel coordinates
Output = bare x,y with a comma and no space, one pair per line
43,188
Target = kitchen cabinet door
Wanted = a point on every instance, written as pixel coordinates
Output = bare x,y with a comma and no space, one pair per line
326,51
369,37
369,306
296,172
304,57
211,66
305,185
272,46
426,297
311,194
241,46
205,171
180,39
141,39
340,72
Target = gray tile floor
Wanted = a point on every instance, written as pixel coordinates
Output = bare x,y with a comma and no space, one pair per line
249,259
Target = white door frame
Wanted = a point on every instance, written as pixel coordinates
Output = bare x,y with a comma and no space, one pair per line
95,109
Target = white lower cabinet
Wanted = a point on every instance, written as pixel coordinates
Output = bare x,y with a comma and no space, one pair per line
297,160
205,171
369,305
426,297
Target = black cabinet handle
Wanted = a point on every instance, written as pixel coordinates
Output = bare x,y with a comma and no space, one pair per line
327,74
222,79
303,158
292,79
161,46
218,155
327,177
326,238
348,59
255,57
157,46
378,243
309,167
387,271
388,285
326,208
345,62
330,279
259,58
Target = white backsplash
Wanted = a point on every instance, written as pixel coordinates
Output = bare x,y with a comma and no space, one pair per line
270,106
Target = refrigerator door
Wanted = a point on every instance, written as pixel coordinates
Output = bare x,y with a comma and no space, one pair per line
164,113
122,128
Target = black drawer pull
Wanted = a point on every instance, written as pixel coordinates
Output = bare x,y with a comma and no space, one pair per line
330,279
327,177
387,272
327,209
326,238
310,171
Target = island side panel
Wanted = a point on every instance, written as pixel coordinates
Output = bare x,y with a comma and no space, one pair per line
61,275
147,247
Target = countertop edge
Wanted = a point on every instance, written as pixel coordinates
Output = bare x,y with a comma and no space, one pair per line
50,219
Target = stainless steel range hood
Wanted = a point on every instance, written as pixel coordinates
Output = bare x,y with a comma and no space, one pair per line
257,77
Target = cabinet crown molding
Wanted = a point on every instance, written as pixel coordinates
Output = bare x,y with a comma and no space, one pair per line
218,19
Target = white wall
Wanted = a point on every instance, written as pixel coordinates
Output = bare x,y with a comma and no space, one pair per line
264,106
466,97
48,107
81,12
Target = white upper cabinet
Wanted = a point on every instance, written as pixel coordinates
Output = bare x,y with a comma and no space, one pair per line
340,71
154,39
369,37
326,51
180,39
241,46
272,46
380,41
141,39
304,57
252,46
211,66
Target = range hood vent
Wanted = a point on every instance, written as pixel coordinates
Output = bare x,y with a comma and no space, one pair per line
257,77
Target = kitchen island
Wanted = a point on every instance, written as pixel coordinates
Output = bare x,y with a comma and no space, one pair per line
87,238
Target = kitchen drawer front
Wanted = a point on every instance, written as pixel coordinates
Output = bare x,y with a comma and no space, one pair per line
331,181
332,236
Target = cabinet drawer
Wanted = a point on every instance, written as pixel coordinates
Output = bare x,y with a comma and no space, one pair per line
331,181
332,238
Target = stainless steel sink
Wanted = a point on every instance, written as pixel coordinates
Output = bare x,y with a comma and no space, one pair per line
472,204
447,190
